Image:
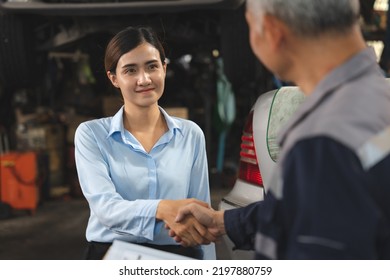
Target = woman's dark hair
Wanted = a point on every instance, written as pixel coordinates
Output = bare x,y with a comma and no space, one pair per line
129,39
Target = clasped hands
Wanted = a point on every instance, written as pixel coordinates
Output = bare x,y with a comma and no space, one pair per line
191,222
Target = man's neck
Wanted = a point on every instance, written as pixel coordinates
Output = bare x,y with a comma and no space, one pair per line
316,58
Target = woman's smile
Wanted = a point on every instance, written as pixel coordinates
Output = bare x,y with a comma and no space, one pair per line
145,90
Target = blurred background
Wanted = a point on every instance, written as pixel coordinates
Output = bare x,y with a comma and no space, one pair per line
52,78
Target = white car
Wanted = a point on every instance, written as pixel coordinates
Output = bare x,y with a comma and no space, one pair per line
259,151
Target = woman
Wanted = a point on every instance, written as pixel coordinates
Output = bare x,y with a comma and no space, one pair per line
139,166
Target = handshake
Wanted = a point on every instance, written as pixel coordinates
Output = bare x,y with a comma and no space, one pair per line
191,222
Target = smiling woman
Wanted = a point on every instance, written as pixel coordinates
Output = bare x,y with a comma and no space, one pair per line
140,76
138,167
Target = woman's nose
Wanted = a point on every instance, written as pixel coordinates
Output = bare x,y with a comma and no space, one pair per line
143,79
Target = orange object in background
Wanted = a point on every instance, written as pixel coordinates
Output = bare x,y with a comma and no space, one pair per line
19,187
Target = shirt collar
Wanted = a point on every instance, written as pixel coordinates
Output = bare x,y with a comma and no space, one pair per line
117,123
172,123
350,70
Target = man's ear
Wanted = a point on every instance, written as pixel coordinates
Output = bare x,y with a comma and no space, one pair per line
112,77
275,30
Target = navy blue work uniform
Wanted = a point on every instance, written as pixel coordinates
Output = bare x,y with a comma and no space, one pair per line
330,194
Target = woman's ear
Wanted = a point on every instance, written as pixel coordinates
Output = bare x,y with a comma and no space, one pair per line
165,67
112,77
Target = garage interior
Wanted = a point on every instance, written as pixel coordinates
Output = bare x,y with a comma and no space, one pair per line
43,214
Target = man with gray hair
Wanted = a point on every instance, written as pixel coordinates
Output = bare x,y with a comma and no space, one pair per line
331,190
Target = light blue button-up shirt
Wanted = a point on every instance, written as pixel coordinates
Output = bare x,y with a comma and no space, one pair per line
124,184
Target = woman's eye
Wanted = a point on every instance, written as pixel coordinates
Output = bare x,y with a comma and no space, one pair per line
153,66
130,71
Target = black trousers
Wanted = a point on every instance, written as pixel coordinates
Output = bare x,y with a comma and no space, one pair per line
97,250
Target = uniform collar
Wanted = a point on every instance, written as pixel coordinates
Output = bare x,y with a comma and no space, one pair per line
350,70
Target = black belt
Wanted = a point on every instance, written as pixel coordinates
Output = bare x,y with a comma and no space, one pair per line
97,250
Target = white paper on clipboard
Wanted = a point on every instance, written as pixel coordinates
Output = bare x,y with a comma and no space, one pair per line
121,250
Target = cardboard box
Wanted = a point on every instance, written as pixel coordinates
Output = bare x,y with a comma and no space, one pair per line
40,137
180,112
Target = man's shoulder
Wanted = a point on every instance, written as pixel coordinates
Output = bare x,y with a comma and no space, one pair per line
353,113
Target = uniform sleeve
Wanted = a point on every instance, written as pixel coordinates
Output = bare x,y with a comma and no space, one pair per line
328,212
324,211
241,225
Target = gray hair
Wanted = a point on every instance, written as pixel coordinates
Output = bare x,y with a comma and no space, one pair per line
309,18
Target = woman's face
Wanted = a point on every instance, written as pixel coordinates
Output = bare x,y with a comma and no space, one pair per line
140,76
